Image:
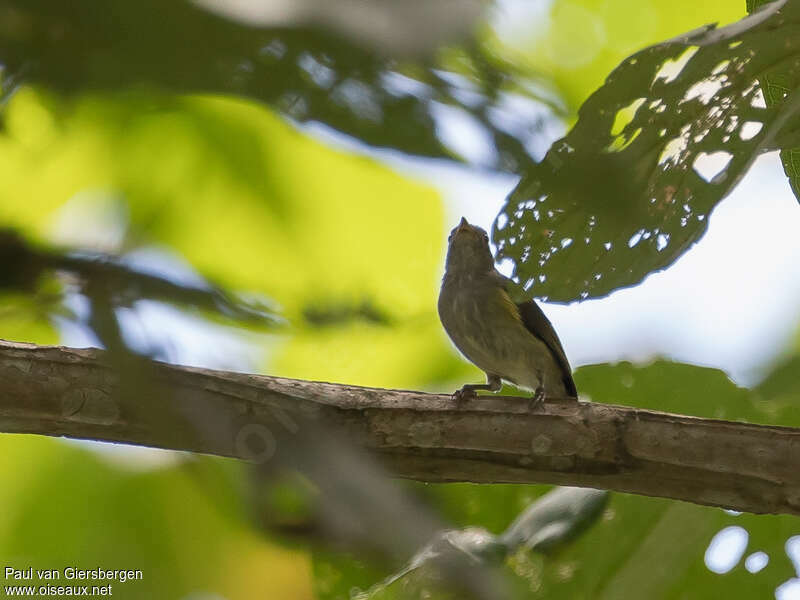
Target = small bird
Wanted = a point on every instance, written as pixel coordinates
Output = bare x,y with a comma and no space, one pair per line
508,340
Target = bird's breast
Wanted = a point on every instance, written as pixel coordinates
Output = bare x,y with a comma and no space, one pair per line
481,324
485,325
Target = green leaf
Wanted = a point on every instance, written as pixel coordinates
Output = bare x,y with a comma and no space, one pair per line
183,523
254,206
776,86
24,319
640,547
669,134
579,42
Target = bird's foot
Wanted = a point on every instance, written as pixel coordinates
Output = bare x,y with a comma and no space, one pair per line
465,393
537,400
468,391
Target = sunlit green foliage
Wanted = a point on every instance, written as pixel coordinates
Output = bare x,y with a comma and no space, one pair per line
260,208
250,203
182,521
578,42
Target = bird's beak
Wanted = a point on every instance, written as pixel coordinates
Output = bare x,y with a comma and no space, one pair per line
462,226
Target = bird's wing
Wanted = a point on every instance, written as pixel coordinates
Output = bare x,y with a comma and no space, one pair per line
539,325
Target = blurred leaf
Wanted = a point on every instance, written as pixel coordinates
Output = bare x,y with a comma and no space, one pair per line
306,73
54,279
671,387
550,521
23,319
296,221
28,301
577,43
779,390
385,26
347,231
698,391
186,536
407,354
339,575
641,547
555,519
671,132
655,548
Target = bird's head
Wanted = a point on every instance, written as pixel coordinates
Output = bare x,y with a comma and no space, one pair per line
468,249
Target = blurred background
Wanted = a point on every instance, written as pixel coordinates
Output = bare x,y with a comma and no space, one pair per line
309,158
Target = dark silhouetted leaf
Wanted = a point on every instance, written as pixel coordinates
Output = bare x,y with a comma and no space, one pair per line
307,74
110,284
671,132
774,85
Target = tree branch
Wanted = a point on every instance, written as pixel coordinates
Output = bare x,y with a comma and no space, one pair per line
70,392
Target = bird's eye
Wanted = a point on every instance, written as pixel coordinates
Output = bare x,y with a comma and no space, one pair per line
485,237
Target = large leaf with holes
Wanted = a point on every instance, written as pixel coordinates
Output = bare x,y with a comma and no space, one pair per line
671,132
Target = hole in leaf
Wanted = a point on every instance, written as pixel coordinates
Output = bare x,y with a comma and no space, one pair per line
750,130
758,99
756,561
721,66
671,68
792,548
625,115
711,167
726,549
506,266
704,90
502,221
674,148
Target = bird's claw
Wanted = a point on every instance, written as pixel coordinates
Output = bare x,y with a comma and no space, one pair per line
464,394
537,400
